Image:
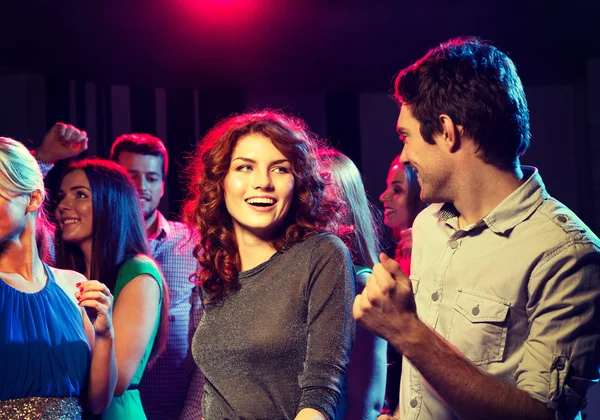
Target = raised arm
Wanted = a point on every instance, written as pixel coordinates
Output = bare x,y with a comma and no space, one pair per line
63,141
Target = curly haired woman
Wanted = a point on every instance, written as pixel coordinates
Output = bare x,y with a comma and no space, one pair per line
277,329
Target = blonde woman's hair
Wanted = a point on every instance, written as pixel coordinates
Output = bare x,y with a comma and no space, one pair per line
361,226
19,171
20,174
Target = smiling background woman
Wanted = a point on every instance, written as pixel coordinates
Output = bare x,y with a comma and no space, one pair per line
101,234
401,201
277,328
401,204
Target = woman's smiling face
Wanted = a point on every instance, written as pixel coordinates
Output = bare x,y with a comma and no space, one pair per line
259,187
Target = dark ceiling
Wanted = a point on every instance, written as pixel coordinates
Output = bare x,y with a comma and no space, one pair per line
285,45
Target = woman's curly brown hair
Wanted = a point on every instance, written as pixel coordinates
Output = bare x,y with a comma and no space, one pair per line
311,212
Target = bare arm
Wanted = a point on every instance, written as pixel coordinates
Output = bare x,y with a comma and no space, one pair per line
134,318
366,372
103,368
309,414
394,416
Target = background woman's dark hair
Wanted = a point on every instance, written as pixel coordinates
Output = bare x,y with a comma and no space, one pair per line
413,193
477,85
310,212
117,232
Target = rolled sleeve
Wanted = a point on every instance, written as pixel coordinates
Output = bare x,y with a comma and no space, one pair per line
561,353
45,167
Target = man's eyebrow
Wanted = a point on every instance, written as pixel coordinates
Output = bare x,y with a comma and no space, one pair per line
133,171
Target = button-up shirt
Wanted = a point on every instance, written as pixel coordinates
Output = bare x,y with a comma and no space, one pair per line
517,293
174,384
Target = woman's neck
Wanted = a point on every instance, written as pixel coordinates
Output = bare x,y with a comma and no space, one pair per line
86,249
253,251
19,254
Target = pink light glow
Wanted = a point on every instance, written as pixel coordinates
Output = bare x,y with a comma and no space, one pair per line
221,11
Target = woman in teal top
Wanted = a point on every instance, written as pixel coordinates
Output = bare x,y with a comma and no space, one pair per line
51,352
101,234
363,393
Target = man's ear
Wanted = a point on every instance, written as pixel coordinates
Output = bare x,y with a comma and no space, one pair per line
451,133
35,201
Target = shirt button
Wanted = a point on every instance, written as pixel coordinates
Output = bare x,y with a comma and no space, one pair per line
560,364
454,244
475,310
413,402
561,218
435,296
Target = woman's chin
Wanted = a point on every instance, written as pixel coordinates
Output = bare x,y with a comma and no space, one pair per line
391,224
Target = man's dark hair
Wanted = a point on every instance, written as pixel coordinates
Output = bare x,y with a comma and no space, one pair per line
477,85
144,144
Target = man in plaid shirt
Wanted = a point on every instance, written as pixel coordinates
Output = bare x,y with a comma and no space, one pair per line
172,388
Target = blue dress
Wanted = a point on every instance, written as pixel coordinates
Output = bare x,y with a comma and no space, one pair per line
44,349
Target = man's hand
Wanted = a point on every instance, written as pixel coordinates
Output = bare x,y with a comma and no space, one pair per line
63,141
387,305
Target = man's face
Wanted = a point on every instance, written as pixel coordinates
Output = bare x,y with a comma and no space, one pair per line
429,161
147,175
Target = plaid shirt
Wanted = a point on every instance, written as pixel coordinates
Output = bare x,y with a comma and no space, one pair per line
172,388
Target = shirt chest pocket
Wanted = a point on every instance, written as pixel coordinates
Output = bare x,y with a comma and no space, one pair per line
479,326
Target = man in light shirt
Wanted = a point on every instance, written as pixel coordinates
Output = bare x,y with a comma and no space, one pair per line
500,318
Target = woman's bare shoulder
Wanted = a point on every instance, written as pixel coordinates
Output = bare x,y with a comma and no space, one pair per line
67,280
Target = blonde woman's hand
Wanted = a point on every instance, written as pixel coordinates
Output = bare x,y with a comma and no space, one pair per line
95,295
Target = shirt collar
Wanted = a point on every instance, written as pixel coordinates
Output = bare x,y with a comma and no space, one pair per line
514,209
163,229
